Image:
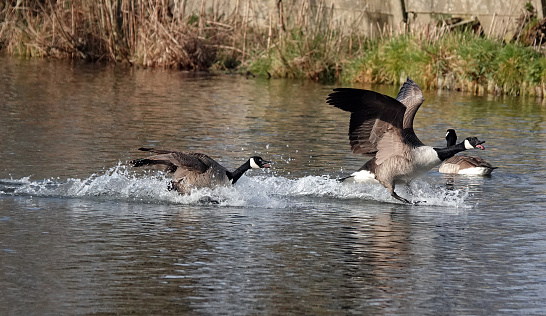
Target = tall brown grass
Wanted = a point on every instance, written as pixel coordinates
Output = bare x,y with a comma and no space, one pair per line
295,39
145,32
163,33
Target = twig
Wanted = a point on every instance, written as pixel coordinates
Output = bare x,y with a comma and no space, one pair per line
269,35
492,25
245,21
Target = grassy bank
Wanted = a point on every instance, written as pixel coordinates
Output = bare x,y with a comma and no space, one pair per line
458,61
295,44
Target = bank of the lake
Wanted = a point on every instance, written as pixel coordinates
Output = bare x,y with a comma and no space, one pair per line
150,34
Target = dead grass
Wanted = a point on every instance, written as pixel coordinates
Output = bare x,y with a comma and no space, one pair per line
290,43
141,32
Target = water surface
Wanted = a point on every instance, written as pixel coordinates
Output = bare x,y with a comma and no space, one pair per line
82,232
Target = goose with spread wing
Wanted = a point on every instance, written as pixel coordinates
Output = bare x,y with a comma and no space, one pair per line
195,170
381,127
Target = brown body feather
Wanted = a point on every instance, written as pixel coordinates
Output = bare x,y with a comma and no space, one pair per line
460,163
190,170
195,170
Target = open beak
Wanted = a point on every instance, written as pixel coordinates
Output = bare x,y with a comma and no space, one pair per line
267,164
480,146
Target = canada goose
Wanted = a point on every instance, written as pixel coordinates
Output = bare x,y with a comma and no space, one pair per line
382,127
195,170
463,164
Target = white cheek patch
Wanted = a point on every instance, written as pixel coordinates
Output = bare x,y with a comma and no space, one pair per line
467,144
447,134
253,164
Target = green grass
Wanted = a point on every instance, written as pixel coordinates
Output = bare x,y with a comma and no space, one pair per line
459,60
140,32
297,56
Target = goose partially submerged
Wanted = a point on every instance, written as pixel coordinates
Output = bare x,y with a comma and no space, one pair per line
195,170
463,164
382,127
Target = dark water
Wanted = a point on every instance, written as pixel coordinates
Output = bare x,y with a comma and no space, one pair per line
81,232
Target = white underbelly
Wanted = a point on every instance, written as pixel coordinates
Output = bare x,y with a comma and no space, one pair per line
480,171
364,176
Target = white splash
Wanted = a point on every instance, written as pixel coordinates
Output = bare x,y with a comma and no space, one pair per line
266,191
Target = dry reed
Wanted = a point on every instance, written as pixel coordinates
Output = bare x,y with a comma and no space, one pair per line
145,32
295,40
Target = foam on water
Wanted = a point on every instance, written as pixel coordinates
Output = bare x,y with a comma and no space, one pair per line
266,191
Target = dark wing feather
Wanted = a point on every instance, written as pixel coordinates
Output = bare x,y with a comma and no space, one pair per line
156,151
205,160
169,166
410,94
412,97
174,160
372,114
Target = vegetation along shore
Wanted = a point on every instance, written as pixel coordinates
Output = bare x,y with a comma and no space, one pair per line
158,33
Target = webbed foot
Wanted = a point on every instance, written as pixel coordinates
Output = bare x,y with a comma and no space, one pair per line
399,198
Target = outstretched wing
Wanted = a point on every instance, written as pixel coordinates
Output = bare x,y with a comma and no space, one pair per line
410,94
372,114
174,160
380,125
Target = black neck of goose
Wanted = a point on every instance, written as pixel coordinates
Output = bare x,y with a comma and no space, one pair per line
235,175
451,140
448,152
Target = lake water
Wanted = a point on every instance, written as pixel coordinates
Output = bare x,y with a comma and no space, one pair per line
82,232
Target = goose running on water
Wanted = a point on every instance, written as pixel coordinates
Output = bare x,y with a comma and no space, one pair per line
195,170
382,128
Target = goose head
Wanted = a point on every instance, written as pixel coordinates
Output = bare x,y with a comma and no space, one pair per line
257,162
451,137
473,142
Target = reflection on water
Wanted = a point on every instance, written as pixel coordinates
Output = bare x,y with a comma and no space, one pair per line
81,232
